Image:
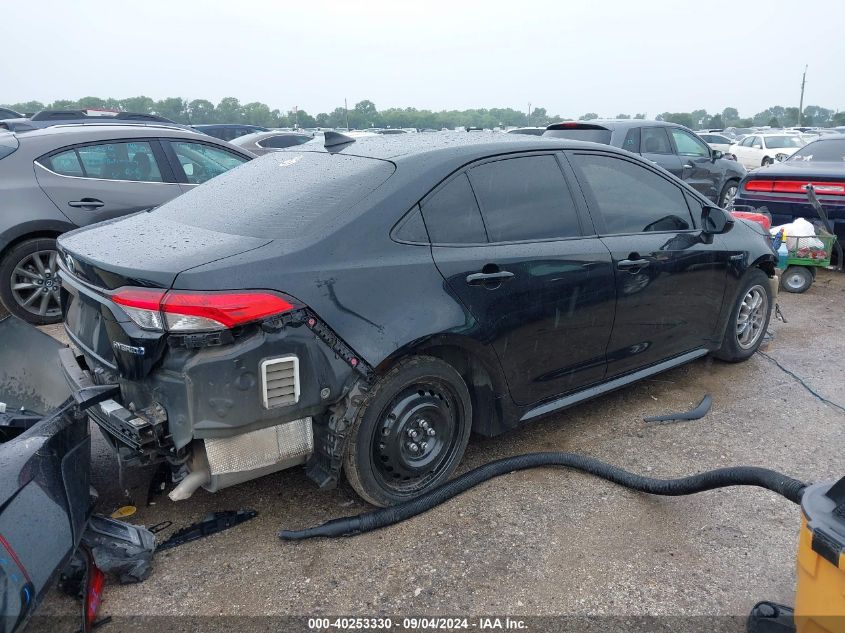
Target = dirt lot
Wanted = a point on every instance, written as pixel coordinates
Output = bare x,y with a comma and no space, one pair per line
547,541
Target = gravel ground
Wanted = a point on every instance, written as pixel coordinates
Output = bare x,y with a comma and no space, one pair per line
546,541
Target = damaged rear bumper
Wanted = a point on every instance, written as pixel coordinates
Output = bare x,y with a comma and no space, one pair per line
230,412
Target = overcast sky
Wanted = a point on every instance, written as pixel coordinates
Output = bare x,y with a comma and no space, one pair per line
569,57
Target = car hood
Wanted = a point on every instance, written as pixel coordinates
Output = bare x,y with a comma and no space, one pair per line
145,249
805,169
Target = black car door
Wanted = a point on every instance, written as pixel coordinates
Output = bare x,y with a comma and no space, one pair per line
656,147
538,284
700,169
669,278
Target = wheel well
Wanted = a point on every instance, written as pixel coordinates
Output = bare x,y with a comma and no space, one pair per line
767,267
486,413
29,236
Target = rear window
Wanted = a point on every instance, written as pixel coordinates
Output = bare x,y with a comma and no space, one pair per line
8,144
282,195
592,135
824,151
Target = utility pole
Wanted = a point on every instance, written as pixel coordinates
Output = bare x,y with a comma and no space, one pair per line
529,114
801,104
346,109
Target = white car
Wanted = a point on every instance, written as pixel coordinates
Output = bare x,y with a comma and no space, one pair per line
716,141
760,150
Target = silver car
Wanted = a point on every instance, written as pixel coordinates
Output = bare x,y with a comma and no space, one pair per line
66,176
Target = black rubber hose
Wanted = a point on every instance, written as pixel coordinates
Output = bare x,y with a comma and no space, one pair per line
788,487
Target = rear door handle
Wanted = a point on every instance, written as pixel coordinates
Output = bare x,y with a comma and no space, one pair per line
632,264
480,278
87,203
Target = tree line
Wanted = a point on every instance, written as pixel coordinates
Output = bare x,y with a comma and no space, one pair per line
364,114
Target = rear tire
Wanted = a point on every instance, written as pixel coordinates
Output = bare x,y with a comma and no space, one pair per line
29,281
410,432
749,318
796,279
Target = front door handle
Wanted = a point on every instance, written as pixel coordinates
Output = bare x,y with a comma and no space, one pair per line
689,165
481,278
87,203
632,265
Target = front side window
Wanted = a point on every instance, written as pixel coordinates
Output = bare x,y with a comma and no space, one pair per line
747,142
655,141
451,214
632,198
202,162
688,145
525,198
133,161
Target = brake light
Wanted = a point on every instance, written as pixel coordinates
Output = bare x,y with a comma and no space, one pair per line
795,186
187,311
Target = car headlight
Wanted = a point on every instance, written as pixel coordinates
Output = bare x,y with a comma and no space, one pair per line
780,157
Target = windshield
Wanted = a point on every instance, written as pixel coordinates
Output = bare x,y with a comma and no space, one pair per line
832,151
589,134
281,195
8,144
778,142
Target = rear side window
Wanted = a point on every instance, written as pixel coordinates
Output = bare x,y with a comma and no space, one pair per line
133,161
655,141
452,216
631,198
65,163
525,199
632,140
8,144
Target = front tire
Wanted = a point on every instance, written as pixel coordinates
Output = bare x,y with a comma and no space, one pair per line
767,161
410,433
30,283
726,198
749,318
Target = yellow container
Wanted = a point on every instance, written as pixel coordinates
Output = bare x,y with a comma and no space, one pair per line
820,592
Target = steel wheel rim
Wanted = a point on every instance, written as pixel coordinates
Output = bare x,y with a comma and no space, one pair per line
751,317
795,281
728,200
35,284
416,436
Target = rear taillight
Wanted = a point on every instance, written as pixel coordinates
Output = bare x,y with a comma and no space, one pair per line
194,311
795,186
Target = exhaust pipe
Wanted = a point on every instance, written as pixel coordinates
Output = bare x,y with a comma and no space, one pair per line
199,475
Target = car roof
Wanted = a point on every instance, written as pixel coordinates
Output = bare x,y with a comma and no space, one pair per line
399,148
86,129
618,124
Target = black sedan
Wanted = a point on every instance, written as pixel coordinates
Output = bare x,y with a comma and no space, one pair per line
364,305
781,188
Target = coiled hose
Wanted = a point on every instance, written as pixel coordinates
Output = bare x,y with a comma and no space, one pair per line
777,482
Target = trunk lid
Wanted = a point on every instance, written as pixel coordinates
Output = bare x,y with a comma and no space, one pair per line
142,250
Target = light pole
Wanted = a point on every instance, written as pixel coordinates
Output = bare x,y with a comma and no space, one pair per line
801,103
346,109
529,114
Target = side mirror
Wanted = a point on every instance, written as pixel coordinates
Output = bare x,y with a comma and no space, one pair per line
715,221
717,154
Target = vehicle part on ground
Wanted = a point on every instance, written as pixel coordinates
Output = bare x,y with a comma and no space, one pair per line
749,318
212,524
120,549
410,432
785,486
83,580
796,279
702,409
